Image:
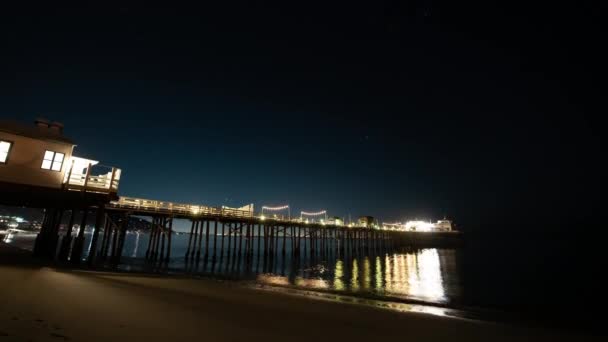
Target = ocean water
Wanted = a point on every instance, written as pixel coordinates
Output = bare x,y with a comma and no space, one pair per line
427,275
423,275
531,279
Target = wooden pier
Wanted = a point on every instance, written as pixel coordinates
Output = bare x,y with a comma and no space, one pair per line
239,232
215,232
39,170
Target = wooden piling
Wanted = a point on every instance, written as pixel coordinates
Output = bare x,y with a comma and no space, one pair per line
207,240
275,234
190,240
222,247
240,229
121,241
199,243
155,238
107,232
163,233
100,221
284,240
259,238
78,247
67,239
215,238
265,231
114,242
159,237
169,239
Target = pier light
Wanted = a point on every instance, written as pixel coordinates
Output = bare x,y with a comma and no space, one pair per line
418,225
262,217
276,209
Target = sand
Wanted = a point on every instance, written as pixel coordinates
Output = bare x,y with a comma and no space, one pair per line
40,303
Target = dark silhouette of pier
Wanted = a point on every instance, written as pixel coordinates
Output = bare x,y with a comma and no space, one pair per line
215,232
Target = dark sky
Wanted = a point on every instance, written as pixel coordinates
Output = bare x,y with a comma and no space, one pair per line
484,113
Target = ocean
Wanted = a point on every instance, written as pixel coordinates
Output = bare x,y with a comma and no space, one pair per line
504,279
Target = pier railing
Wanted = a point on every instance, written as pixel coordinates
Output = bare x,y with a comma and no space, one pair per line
94,178
178,208
145,206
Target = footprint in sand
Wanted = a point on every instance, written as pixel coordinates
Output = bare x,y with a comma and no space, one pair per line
65,338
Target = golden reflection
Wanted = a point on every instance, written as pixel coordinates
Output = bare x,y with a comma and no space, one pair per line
430,279
388,273
378,273
367,279
311,283
415,275
406,266
354,284
339,273
273,280
412,272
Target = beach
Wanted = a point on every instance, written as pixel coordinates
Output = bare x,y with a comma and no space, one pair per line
41,303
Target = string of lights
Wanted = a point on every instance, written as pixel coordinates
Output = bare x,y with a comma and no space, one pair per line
275,208
322,212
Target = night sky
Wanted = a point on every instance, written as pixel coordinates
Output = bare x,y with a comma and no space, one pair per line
483,113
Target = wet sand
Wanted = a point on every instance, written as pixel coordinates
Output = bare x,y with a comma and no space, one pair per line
46,304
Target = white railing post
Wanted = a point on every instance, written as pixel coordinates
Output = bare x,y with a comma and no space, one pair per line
86,177
69,175
112,179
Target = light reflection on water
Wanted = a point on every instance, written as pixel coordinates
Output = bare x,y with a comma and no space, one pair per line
415,275
338,274
427,274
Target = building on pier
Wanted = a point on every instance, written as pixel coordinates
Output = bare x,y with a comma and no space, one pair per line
39,158
424,226
34,155
366,221
443,225
336,221
39,170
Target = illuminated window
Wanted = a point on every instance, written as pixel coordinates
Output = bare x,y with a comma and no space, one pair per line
5,148
52,161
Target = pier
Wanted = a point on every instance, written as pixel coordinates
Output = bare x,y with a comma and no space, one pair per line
40,170
219,231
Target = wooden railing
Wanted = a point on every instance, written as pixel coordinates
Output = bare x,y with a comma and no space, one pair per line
98,178
178,208
192,210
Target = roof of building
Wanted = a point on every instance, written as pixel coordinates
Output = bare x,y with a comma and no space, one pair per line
32,131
